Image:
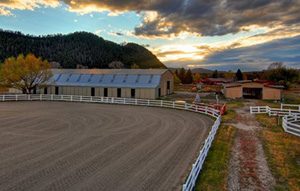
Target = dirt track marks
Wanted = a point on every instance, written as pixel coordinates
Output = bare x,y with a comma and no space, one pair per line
74,146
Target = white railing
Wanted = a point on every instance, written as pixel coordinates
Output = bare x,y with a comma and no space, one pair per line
290,120
291,124
196,167
273,111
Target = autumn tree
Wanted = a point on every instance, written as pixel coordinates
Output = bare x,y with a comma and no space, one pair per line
197,77
25,73
277,72
135,66
116,65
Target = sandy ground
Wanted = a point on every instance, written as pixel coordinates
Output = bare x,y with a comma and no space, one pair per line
77,146
248,168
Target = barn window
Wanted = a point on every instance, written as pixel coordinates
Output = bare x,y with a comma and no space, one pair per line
45,90
105,92
132,93
159,92
119,92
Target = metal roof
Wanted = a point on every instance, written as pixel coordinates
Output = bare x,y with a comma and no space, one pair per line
130,78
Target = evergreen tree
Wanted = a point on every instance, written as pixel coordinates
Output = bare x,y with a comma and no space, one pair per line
239,75
188,79
215,74
181,75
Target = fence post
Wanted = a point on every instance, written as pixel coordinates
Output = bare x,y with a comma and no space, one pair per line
16,97
161,103
71,98
135,101
124,100
80,99
148,102
40,97
173,104
3,98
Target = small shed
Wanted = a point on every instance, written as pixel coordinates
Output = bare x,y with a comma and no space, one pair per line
129,83
254,90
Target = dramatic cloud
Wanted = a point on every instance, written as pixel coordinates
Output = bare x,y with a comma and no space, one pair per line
254,58
172,17
207,18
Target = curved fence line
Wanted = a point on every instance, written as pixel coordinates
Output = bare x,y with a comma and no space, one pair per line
196,167
290,120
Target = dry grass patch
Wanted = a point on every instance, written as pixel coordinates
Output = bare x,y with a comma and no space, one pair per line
283,153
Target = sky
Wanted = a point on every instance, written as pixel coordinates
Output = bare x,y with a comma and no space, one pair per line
215,34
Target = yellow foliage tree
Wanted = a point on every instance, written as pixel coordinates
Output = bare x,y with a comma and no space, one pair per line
197,77
25,72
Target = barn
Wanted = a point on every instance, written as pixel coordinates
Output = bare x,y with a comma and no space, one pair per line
128,83
252,89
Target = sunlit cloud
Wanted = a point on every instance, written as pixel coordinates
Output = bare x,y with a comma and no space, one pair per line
6,6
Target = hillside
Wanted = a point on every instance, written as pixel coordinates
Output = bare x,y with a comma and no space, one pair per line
81,48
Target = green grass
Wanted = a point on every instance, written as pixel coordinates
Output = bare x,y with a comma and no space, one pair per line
282,152
215,170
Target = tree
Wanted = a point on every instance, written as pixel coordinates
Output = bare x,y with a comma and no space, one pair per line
176,79
215,74
229,75
181,75
197,77
135,66
239,75
25,72
116,65
188,79
277,72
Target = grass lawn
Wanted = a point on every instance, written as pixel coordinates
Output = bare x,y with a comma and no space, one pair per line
283,153
215,169
214,174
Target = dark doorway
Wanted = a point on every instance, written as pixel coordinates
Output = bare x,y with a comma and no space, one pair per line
132,93
119,92
159,92
252,93
92,91
56,90
45,90
105,92
168,87
34,90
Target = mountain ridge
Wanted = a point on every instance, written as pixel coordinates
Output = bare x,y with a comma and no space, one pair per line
78,48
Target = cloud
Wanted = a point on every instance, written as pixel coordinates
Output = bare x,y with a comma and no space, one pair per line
169,18
257,57
6,6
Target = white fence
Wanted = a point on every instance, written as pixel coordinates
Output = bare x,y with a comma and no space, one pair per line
291,117
196,167
291,124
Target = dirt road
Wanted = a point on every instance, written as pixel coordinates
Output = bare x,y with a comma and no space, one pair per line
75,146
248,168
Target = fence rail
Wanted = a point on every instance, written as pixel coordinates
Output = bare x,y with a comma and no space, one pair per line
196,167
290,120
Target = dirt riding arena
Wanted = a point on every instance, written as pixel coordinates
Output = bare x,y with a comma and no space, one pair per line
78,146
